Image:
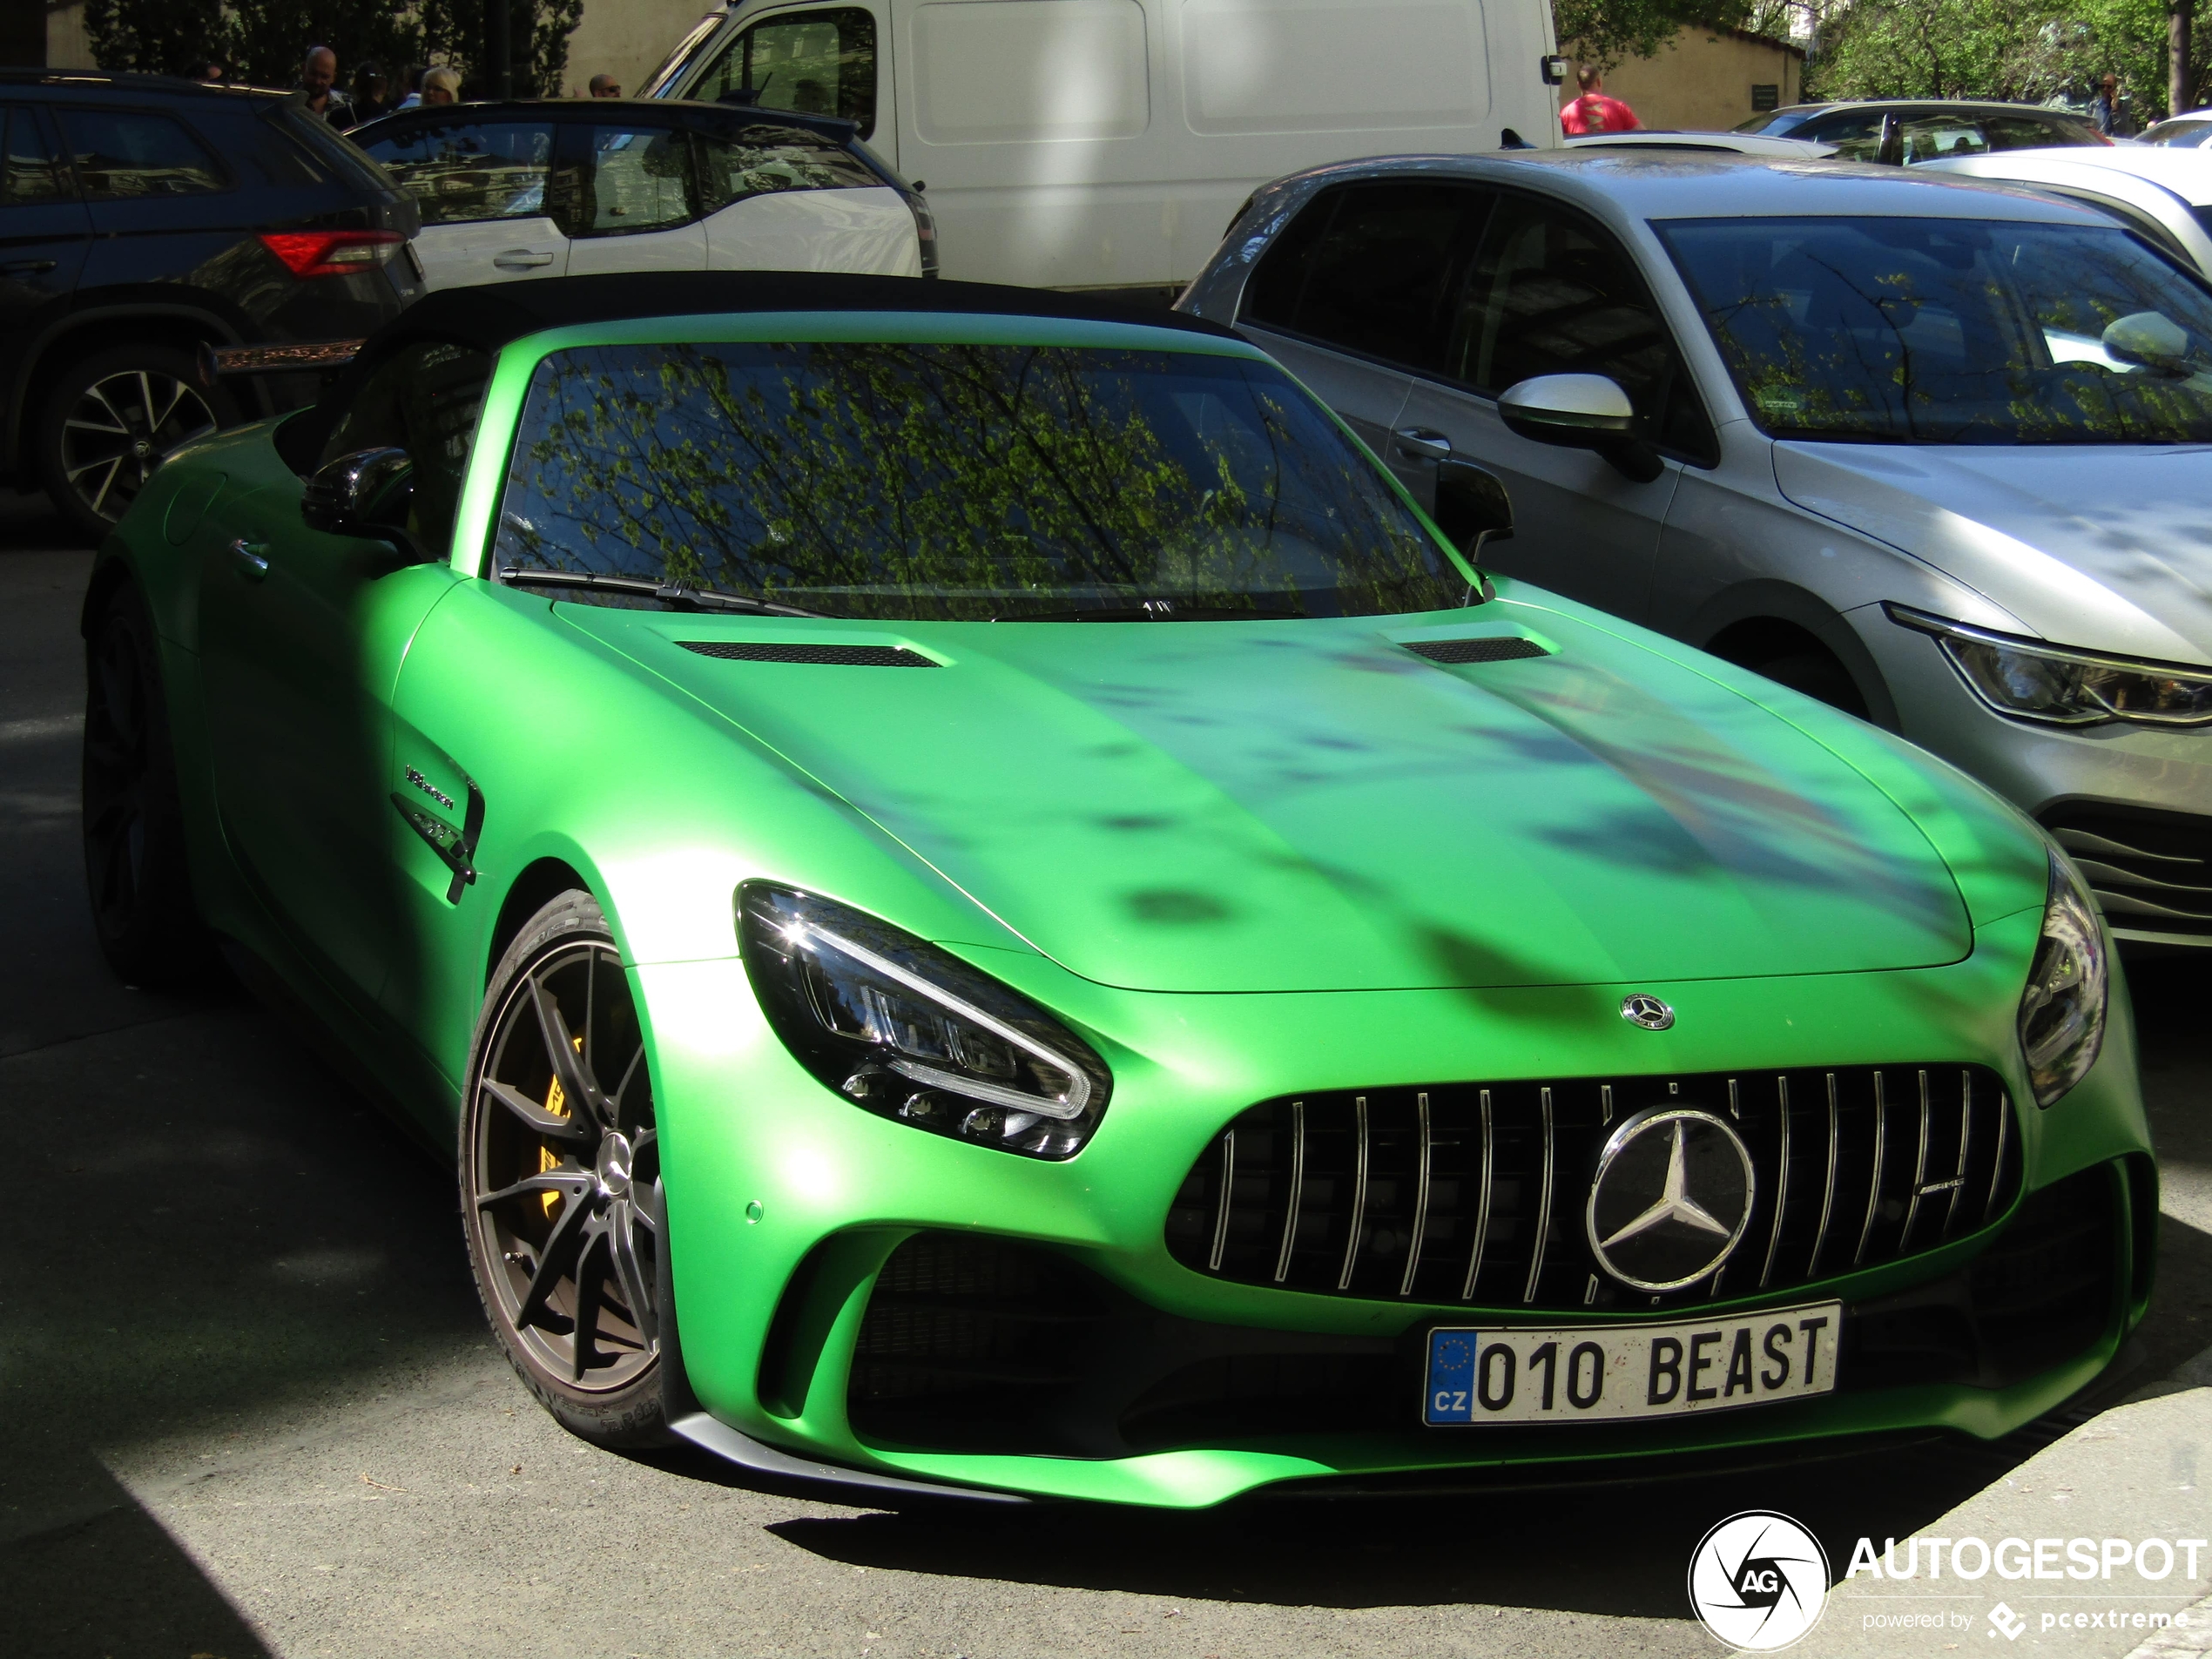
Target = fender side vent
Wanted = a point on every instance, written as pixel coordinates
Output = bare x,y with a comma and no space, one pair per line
1497,648
832,655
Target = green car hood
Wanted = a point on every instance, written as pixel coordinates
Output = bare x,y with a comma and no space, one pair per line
1310,805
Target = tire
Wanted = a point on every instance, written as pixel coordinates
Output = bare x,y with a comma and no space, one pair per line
1817,674
114,417
136,873
560,1189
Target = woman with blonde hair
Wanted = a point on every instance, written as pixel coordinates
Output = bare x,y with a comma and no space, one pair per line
438,86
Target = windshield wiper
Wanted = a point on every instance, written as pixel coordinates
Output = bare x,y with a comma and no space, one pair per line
674,595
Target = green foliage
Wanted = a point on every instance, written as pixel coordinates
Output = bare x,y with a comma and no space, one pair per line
2023,50
1605,32
262,41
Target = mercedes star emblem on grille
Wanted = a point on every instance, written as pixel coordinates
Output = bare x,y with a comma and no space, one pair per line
1648,1011
1671,1198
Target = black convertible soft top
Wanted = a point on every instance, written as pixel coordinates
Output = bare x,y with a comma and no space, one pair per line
486,317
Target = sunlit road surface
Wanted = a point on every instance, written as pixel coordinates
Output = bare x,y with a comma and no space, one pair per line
250,1405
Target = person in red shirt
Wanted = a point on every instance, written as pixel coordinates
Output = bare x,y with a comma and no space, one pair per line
1593,111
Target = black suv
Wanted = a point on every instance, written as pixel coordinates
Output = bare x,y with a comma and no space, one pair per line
142,218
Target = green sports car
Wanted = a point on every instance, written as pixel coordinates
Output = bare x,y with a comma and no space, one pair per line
986,906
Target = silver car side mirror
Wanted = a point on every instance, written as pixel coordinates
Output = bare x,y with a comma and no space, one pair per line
1581,412
2150,341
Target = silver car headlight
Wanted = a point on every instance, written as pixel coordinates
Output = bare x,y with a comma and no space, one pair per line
2063,1011
2029,680
911,1032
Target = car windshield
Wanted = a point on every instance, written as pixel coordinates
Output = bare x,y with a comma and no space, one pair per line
1952,331
958,483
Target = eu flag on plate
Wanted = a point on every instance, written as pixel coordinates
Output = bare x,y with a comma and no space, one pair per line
1450,1394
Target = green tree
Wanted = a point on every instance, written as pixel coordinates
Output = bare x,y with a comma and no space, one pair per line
1605,32
157,36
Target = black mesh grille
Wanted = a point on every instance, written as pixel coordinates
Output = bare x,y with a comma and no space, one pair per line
1476,650
1392,1182
2152,872
971,1343
835,656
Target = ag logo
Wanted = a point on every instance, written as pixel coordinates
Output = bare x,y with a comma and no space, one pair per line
1758,1581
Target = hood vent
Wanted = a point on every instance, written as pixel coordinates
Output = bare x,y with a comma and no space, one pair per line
832,655
1497,647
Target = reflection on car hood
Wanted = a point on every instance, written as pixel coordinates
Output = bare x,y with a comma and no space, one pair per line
2103,547
1307,805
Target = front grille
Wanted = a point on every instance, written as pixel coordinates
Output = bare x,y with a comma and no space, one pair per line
1472,1194
831,656
2151,871
1507,649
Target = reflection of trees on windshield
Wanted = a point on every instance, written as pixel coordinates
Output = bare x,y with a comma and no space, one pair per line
1940,331
958,480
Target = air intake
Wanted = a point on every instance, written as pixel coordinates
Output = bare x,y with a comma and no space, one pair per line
1474,1194
2151,872
733,650
1504,648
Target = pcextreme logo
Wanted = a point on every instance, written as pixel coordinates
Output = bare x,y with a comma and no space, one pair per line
1758,1581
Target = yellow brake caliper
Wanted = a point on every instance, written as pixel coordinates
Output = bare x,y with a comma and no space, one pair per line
557,1103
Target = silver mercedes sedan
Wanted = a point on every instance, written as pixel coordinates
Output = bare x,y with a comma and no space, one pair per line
1935,452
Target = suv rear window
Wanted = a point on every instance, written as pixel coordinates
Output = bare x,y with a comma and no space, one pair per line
126,155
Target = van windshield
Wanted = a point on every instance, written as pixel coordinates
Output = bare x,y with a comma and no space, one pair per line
958,482
1952,331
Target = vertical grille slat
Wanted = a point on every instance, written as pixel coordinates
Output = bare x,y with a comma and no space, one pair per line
1472,1193
1421,1199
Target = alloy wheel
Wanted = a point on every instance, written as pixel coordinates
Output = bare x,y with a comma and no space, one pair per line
121,428
565,1176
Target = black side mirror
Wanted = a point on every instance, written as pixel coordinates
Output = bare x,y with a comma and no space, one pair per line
366,493
1472,506
1581,412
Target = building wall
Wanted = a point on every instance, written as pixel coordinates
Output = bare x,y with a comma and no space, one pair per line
628,38
1701,80
66,46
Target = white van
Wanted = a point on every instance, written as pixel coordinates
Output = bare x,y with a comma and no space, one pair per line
1105,144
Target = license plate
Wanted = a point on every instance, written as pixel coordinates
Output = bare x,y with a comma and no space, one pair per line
1584,1374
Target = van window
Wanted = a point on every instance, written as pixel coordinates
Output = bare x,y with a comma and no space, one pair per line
1333,66
1368,268
816,62
1016,71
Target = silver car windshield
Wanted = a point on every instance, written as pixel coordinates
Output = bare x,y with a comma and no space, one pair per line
958,483
1952,331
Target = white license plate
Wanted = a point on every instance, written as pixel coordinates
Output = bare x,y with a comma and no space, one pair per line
1583,1374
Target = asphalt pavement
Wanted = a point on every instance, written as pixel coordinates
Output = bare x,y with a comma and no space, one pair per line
250,1407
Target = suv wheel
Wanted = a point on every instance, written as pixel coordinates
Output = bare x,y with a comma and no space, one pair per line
112,419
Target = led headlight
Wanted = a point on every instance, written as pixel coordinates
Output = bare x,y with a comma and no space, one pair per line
912,1032
2032,681
2062,1013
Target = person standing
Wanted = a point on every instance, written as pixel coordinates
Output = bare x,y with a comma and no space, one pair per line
605,86
371,94
2111,110
436,86
318,77
1592,111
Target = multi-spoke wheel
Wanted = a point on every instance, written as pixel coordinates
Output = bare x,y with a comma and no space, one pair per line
561,1176
113,419
134,841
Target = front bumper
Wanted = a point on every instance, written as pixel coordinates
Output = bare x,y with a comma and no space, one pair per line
921,1309
2133,804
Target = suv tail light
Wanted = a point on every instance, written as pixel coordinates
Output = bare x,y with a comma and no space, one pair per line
321,254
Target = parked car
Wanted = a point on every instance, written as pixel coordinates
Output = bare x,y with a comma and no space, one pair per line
1103,143
2164,194
986,907
2183,131
572,186
1785,411
1921,129
1735,143
142,218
